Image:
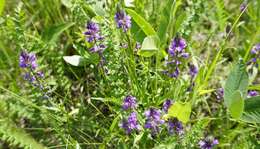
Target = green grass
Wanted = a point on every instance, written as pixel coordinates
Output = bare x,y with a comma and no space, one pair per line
84,108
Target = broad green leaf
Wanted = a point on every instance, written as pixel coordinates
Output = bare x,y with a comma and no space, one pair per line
75,60
237,105
52,33
149,46
2,6
237,80
142,23
180,110
252,110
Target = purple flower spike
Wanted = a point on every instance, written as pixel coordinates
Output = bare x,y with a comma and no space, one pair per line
193,70
123,20
153,120
92,33
131,123
175,126
93,36
177,46
176,55
208,143
27,60
252,93
166,105
129,102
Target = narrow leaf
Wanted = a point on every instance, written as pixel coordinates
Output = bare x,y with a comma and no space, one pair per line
141,22
52,33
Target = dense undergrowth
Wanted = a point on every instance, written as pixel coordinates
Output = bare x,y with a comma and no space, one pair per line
129,74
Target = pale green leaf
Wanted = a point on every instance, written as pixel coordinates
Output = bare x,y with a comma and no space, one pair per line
237,80
2,6
180,110
149,46
237,105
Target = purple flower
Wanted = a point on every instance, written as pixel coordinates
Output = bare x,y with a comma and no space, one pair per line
176,54
129,102
252,93
153,120
92,33
27,60
255,49
130,124
193,70
93,36
166,105
242,6
174,125
177,46
255,53
208,143
123,20
220,93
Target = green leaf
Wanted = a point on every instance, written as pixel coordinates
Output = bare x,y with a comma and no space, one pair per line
115,121
52,33
237,105
149,46
252,110
17,136
75,60
141,22
2,5
237,80
180,110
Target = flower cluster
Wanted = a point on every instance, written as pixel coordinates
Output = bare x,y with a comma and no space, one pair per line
123,20
174,125
166,105
93,37
176,52
28,62
252,93
131,123
208,143
153,120
255,53
193,70
129,102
